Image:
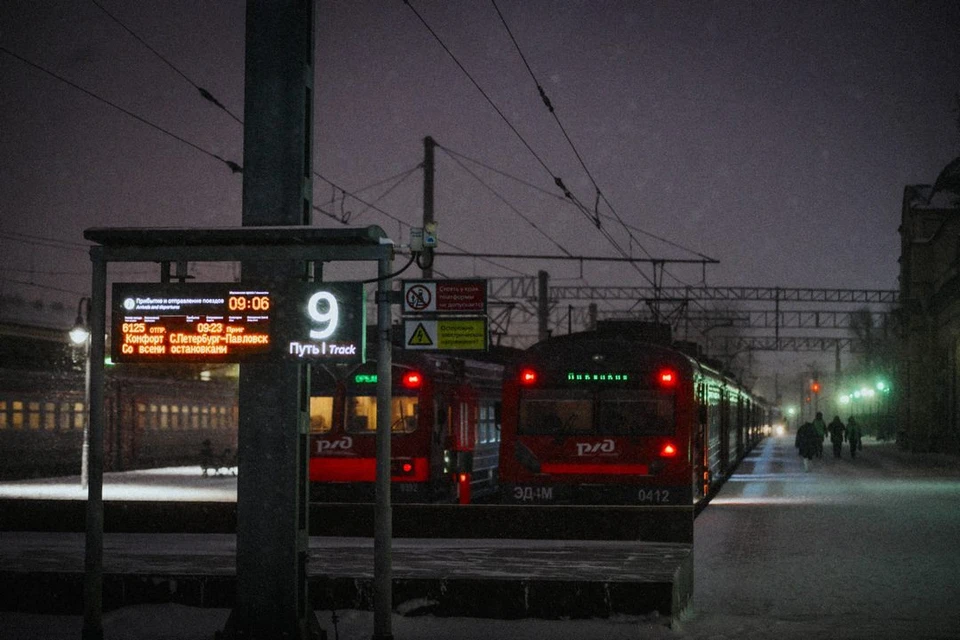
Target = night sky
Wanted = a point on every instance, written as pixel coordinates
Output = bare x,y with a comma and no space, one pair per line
775,137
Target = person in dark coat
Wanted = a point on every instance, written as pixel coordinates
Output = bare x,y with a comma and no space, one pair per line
808,442
854,436
837,432
821,428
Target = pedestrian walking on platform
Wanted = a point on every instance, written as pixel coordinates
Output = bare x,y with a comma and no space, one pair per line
821,428
854,437
837,432
808,442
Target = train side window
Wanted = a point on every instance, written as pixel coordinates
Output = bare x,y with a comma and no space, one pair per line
50,416
204,417
175,416
164,416
361,414
195,417
65,416
33,415
321,414
3,414
16,418
78,410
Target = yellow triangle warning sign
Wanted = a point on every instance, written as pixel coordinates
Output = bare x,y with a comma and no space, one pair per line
420,337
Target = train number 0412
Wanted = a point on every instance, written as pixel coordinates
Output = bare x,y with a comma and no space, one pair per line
654,496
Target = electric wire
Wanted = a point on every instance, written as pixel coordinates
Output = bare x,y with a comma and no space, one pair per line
454,153
40,241
41,286
557,180
234,167
510,206
599,193
205,94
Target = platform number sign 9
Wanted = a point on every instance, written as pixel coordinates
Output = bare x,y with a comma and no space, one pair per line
324,310
325,321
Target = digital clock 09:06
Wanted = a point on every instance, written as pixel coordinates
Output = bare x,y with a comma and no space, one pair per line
248,303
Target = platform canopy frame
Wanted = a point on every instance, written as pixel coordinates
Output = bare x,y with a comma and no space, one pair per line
250,245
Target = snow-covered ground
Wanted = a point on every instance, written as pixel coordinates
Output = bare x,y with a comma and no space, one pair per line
854,549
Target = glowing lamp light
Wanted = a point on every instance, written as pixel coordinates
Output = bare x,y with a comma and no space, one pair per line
407,467
79,334
528,376
668,451
412,380
845,399
667,378
463,477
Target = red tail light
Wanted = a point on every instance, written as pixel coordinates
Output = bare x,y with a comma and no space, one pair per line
668,451
463,477
528,376
412,380
667,378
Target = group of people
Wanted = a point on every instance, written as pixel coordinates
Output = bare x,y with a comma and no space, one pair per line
811,435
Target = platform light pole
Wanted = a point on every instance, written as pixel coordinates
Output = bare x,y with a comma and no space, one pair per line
80,336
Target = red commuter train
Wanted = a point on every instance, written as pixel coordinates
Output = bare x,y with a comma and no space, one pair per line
604,417
445,430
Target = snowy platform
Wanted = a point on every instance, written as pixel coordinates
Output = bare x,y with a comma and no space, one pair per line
505,579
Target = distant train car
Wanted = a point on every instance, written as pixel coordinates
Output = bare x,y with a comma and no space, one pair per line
148,422
606,418
444,425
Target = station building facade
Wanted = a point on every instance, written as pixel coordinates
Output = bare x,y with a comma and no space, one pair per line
928,385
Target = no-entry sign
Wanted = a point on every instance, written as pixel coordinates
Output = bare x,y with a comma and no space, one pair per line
445,296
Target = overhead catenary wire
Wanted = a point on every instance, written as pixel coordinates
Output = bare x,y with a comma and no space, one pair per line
207,95
233,166
546,192
557,180
511,206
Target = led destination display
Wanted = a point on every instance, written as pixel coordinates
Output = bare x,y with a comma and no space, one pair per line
209,322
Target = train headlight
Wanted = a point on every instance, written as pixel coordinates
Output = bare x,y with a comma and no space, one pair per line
669,450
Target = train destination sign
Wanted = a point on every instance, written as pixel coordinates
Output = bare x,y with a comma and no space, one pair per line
445,296
209,322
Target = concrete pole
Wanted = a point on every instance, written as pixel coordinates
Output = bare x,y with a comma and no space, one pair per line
428,169
543,306
383,523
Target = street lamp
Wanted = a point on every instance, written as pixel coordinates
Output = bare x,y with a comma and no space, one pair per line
80,336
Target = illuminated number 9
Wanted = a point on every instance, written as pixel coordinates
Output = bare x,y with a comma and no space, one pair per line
329,318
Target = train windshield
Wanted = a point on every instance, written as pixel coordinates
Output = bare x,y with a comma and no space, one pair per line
556,412
321,414
577,412
362,414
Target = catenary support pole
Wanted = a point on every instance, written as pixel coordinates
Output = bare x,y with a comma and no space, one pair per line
383,524
428,169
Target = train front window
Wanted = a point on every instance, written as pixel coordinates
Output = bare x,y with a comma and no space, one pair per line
321,414
362,414
624,412
556,412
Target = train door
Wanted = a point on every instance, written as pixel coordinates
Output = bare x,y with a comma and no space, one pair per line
464,438
724,432
701,465
742,413
440,463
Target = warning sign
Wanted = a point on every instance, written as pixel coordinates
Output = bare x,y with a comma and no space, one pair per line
420,337
453,334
